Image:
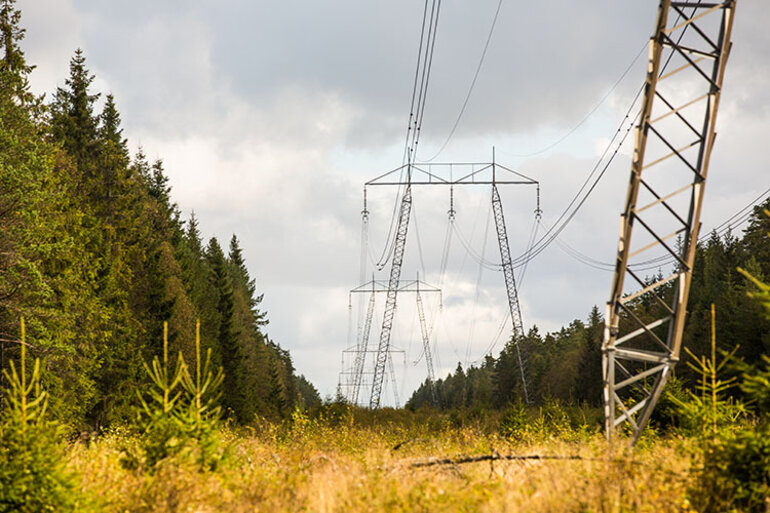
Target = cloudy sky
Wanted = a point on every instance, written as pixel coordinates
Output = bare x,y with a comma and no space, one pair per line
270,116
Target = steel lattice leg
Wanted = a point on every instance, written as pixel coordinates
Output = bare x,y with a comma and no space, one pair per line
674,140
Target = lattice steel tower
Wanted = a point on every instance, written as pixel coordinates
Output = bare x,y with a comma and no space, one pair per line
475,174
674,140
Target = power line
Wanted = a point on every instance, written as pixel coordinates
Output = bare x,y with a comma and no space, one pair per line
548,237
416,110
733,221
473,84
590,113
554,231
424,62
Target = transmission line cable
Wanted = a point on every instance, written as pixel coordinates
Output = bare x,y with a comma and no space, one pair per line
590,113
530,245
414,86
733,221
419,243
567,215
473,84
557,228
478,289
416,111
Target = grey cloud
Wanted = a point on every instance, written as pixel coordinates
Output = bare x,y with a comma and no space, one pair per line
266,113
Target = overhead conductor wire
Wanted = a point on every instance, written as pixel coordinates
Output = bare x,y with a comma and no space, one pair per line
416,111
473,84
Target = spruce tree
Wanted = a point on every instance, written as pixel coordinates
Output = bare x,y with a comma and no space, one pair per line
14,70
277,392
45,271
72,117
229,350
588,387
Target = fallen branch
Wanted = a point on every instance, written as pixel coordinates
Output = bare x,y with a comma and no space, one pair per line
524,457
493,457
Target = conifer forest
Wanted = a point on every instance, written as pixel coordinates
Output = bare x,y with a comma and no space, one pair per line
141,371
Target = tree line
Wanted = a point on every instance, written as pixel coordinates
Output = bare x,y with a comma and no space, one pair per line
96,256
566,365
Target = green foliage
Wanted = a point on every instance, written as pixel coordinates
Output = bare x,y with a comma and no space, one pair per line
736,466
163,434
180,413
515,422
553,419
201,417
735,474
707,410
756,386
762,294
32,474
94,250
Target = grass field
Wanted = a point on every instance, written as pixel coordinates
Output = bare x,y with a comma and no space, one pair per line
342,464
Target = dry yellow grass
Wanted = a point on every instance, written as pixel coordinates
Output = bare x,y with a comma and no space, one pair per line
318,468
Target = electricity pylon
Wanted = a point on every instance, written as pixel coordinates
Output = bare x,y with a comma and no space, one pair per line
390,303
510,284
361,349
434,174
674,140
426,349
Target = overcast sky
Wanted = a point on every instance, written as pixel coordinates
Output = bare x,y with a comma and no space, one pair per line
270,116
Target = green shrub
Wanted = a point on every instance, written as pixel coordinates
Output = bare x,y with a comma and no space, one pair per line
201,417
179,414
514,423
736,466
735,474
163,434
32,474
706,412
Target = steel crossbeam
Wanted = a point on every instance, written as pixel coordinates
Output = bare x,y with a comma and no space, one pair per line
649,322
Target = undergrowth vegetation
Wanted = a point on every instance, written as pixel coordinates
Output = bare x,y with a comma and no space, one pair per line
33,477
339,458
713,456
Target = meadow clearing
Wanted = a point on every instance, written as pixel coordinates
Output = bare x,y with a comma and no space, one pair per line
340,463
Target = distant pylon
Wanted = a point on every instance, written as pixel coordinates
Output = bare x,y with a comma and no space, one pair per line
431,174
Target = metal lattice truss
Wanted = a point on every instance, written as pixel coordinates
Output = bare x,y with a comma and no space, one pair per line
349,380
426,349
363,343
390,303
446,174
510,283
674,139
374,287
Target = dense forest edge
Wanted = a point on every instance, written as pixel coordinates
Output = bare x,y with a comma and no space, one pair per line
96,256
